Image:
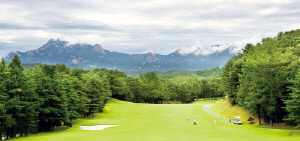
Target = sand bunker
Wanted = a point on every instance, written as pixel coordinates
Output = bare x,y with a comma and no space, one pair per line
96,127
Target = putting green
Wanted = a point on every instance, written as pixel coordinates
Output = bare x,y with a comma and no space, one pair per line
166,122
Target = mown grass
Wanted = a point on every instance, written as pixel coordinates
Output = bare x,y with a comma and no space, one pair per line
161,122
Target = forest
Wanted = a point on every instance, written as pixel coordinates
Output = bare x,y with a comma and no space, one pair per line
265,78
48,96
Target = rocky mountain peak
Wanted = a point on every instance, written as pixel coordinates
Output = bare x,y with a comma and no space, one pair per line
150,53
10,55
50,41
57,43
151,57
98,48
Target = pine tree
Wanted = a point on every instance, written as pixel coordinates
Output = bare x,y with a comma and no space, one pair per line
135,86
230,77
293,104
29,120
183,93
5,118
77,99
21,102
153,87
52,96
98,92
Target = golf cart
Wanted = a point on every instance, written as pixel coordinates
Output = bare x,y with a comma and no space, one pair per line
237,120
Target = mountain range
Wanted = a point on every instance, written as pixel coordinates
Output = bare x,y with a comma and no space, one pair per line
94,56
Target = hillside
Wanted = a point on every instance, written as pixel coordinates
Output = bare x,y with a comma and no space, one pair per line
225,109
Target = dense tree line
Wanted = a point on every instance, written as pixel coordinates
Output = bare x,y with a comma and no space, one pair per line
216,72
47,97
265,78
149,88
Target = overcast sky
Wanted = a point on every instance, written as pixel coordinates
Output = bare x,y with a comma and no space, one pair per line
136,26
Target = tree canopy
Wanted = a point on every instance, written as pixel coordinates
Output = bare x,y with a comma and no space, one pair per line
263,77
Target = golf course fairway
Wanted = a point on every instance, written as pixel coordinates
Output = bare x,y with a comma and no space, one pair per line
163,122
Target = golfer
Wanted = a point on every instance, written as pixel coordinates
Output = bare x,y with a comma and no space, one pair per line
187,119
195,122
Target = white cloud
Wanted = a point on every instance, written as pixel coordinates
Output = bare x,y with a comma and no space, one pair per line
268,11
134,26
241,44
8,42
200,49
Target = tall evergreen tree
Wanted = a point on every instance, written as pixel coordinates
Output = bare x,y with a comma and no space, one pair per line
5,118
98,92
136,88
52,95
22,102
153,87
183,93
230,77
293,104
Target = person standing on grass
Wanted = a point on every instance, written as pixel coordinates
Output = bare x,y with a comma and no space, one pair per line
187,119
195,122
229,119
215,122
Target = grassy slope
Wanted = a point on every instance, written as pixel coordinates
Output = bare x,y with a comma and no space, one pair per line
161,122
225,109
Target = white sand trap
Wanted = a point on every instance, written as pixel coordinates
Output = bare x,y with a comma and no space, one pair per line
96,127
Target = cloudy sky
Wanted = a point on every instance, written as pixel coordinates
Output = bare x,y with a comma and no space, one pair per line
135,26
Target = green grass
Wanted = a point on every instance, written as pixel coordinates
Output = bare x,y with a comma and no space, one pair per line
165,122
225,109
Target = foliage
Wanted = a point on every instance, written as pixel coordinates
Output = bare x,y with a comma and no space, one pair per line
258,78
47,97
293,104
250,119
214,72
28,66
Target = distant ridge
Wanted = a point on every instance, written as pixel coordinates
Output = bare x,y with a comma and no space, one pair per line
94,56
